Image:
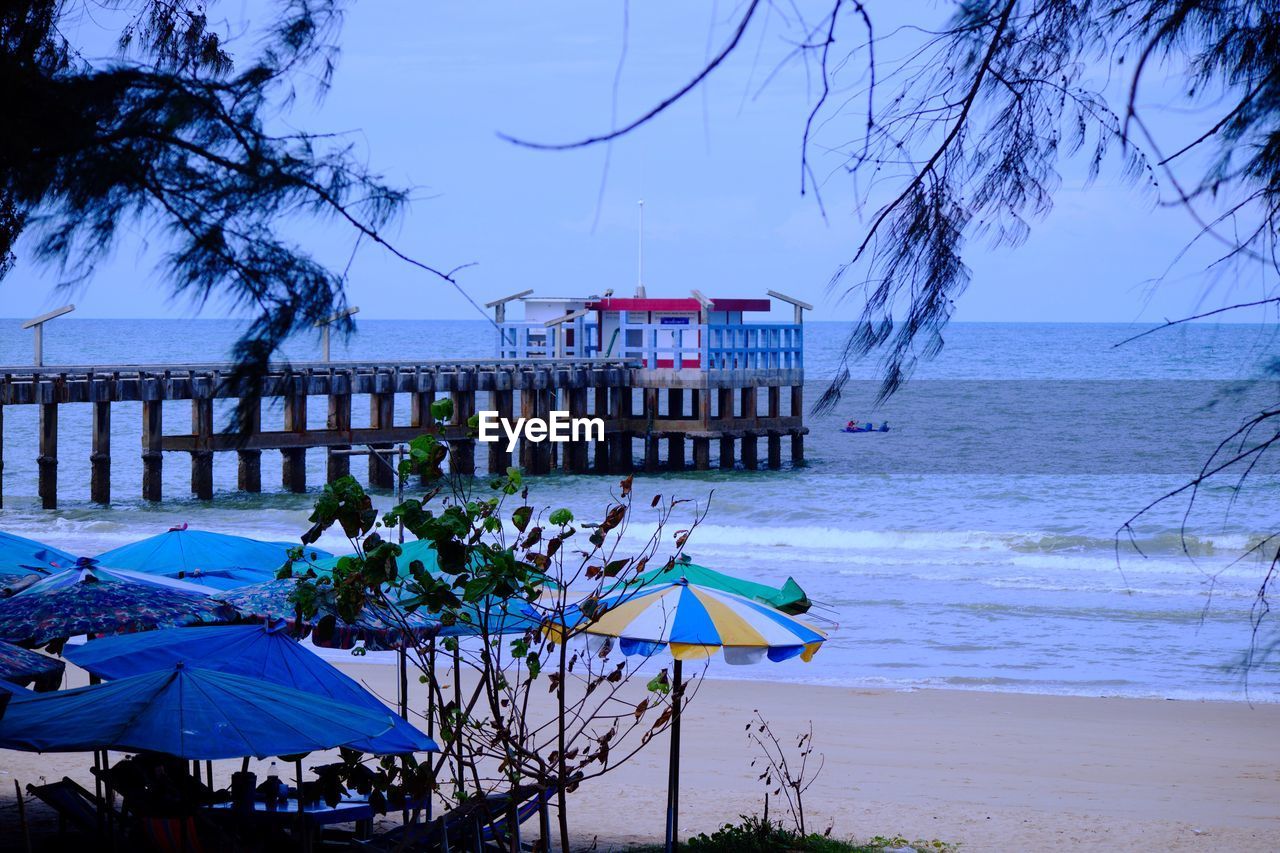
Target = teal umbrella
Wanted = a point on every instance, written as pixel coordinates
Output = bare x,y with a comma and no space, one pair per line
218,560
789,598
191,713
256,651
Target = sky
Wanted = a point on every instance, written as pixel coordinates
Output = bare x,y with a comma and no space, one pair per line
423,89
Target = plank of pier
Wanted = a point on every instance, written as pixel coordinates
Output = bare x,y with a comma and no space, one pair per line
542,456
623,403
774,444
650,440
701,453
382,414
293,470
249,461
202,457
575,454
152,458
462,451
775,402
675,452
748,402
339,464
750,451
528,409
420,411
503,403
724,403
726,450
100,454
603,451
797,401
797,447
47,461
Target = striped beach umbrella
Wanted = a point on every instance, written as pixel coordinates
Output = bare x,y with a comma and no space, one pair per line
92,600
694,622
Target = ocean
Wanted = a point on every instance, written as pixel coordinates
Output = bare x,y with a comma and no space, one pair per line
977,544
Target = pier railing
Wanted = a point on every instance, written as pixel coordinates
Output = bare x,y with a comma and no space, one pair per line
706,347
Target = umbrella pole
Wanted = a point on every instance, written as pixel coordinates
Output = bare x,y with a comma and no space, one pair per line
431,722
673,780
404,682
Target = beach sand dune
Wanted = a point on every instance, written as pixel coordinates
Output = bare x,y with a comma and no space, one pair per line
989,771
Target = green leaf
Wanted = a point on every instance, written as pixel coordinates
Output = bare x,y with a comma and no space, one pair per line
442,410
520,518
561,517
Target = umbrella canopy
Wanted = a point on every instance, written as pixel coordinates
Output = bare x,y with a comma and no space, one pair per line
102,601
20,666
21,556
696,621
257,651
218,560
187,712
376,628
789,598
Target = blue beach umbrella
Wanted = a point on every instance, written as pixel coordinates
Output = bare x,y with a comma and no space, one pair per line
92,600
191,713
261,651
217,560
21,556
22,666
695,622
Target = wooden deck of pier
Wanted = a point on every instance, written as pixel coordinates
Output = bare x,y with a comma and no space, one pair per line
731,409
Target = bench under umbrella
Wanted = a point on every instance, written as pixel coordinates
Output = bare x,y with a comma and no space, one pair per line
92,600
218,560
694,622
22,667
187,712
263,651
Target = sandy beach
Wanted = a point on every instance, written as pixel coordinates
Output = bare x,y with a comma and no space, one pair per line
987,771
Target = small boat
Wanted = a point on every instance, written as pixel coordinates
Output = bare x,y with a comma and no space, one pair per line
865,427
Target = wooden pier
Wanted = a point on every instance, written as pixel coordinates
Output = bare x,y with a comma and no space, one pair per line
730,410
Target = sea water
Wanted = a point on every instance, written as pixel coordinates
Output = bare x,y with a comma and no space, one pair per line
979,543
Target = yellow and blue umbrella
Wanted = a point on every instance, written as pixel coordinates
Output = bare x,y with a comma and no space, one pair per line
695,622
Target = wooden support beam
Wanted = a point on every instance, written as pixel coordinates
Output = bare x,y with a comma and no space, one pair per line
528,409
747,399
724,403
675,403
152,458
249,461
462,451
797,401
502,402
701,453
650,440
100,453
675,452
420,417
47,461
601,409
797,448
576,452
338,464
542,456
750,451
702,406
774,443
202,456
382,414
622,403
293,470
726,451
775,401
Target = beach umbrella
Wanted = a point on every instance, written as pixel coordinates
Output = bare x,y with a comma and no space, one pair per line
21,556
217,560
188,712
92,600
694,622
377,628
263,651
789,598
22,666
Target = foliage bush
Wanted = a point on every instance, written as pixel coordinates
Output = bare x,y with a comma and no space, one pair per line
755,834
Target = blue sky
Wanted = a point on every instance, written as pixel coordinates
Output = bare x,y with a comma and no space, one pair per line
424,88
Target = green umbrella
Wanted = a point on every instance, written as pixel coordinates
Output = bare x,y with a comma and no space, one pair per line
789,598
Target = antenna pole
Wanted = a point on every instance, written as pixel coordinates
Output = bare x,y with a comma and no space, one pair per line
640,254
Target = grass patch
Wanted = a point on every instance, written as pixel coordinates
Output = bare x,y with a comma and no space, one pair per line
756,835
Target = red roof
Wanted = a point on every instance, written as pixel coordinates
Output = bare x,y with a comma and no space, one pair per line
688,303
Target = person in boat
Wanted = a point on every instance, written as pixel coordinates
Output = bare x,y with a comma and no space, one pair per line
884,427
851,425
